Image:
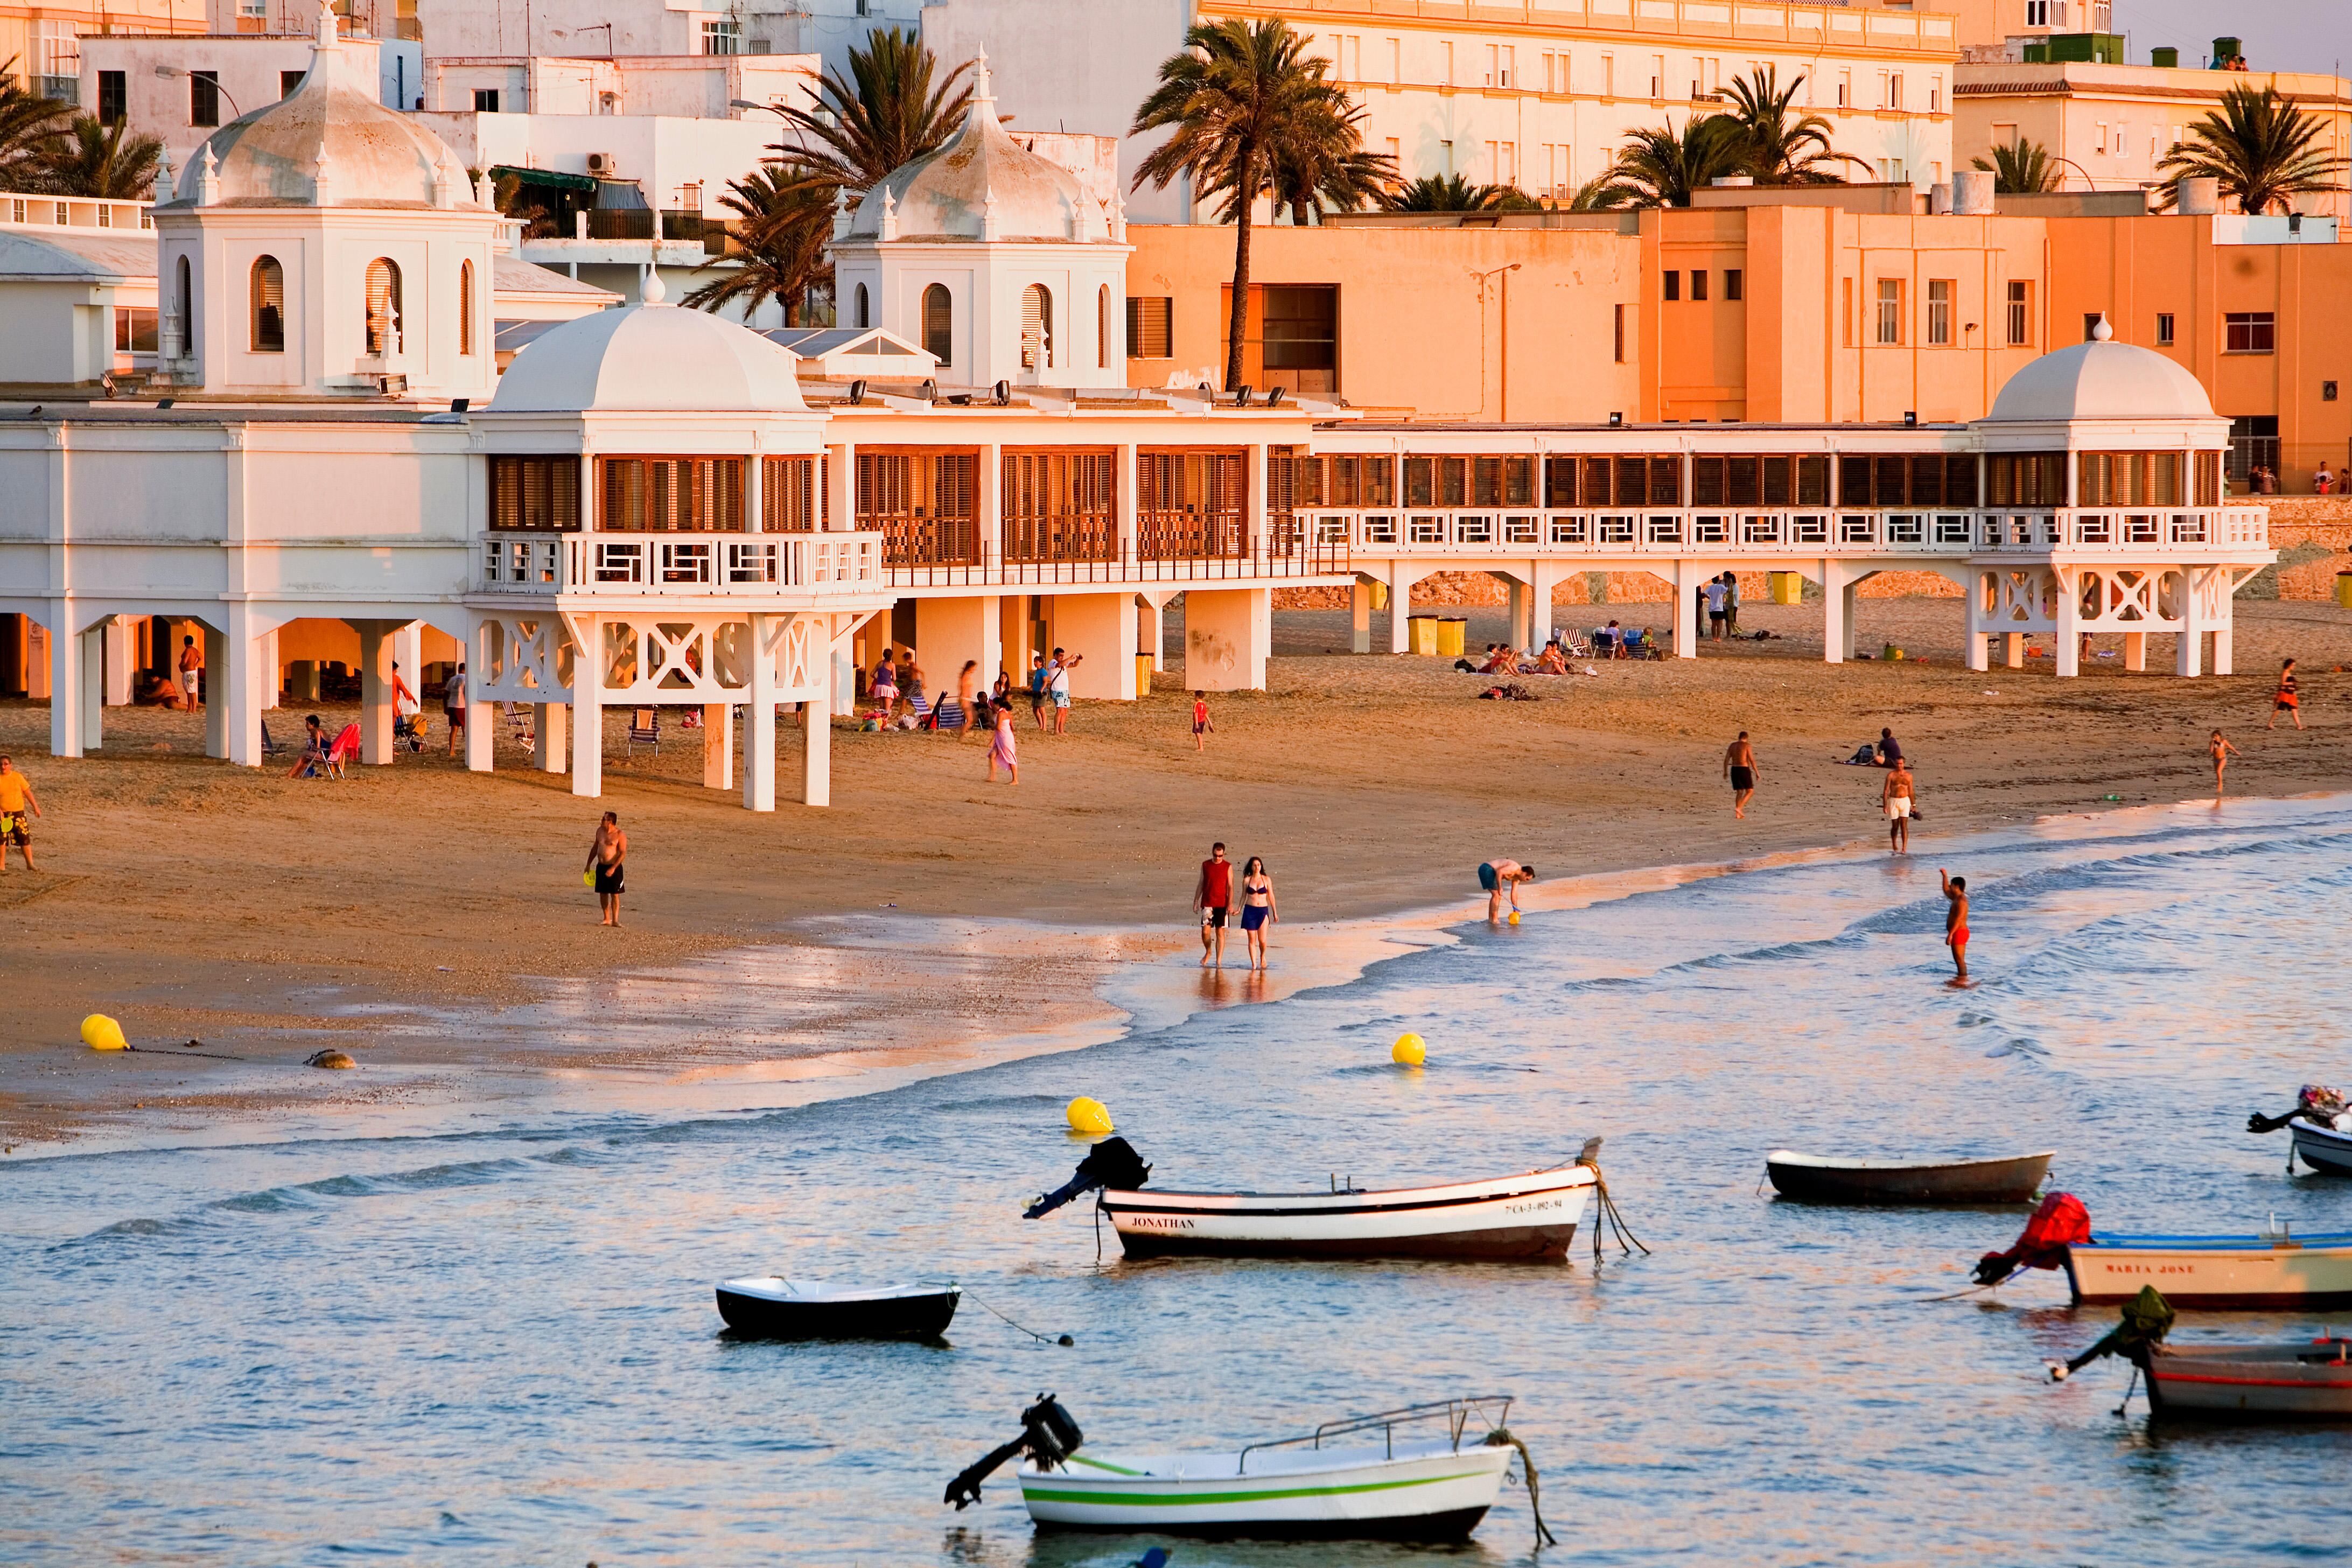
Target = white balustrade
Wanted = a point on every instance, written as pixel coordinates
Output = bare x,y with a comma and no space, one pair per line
698,564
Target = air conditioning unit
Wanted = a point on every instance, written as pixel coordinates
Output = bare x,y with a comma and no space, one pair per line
601,164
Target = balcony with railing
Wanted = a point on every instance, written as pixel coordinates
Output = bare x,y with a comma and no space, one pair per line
1713,531
636,565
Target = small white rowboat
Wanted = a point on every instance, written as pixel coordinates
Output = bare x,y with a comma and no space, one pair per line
1383,1485
2312,1380
1533,1215
2236,1272
2325,1150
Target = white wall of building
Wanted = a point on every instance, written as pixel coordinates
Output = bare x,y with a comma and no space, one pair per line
696,86
1062,68
663,155
251,71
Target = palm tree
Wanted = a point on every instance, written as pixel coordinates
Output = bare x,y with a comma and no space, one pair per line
1244,103
787,219
1779,151
1657,168
1453,193
1330,169
2021,168
109,161
1600,193
2259,146
888,114
29,123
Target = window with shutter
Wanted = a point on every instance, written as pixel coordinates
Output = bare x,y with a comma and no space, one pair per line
540,494
383,308
671,495
268,304
939,324
1149,326
1036,328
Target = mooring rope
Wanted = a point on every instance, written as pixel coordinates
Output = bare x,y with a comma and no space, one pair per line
1622,1232
1041,1339
1501,1437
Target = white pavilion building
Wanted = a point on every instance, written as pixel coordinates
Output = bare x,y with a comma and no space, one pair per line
658,507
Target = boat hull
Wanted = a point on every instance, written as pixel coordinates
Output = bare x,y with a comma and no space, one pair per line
1434,1496
2226,1273
1807,1179
1525,1218
2323,1149
2250,1381
755,1309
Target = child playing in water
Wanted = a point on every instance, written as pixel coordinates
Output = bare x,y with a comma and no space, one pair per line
1956,922
2221,752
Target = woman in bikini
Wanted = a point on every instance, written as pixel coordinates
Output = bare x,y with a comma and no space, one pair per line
2221,752
1258,909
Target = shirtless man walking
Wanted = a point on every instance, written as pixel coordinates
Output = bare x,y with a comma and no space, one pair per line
1895,795
1739,767
1956,922
606,853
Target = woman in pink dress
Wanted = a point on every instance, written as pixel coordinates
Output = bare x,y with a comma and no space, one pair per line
1002,752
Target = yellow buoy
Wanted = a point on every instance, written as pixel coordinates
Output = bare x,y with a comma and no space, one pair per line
1514,917
1409,1051
100,1033
1087,1115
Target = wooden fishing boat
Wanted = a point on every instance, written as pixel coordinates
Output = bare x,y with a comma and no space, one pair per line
2294,1380
1825,1179
771,1307
2324,1148
1531,1217
1361,1479
2271,1270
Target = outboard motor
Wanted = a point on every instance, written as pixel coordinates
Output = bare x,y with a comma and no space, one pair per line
1048,1435
1113,1162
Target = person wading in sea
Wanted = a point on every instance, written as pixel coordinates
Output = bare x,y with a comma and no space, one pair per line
606,853
2221,751
1956,924
1739,767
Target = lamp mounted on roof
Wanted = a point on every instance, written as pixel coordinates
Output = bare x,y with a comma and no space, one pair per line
1002,394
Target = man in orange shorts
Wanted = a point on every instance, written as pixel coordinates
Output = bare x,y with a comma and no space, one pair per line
1956,922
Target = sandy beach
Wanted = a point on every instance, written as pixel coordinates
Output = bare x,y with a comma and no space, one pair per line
432,923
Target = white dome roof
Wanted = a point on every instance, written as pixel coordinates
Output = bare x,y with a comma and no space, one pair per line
648,358
373,156
947,194
2101,379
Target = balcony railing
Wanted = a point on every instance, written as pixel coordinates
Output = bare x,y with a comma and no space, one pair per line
1285,555
1729,532
683,563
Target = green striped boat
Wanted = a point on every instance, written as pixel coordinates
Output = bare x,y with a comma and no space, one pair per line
1379,1485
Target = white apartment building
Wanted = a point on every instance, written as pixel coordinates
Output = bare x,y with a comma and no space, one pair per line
1544,102
181,88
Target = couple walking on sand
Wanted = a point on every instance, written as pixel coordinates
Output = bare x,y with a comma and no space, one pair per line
1213,895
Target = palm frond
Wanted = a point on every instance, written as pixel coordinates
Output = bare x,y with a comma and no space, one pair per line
2259,148
888,112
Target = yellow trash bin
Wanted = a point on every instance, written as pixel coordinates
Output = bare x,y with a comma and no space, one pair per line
1453,636
2344,589
1421,633
1142,674
1787,588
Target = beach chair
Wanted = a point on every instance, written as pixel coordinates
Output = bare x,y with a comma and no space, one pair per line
270,748
645,730
521,727
346,746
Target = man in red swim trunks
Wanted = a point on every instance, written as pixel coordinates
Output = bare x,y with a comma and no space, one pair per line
1955,921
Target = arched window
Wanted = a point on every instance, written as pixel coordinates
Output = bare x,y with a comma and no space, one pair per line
1102,327
464,307
183,313
383,308
939,324
268,306
1036,328
864,319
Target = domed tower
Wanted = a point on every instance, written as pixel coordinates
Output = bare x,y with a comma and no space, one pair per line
994,260
326,246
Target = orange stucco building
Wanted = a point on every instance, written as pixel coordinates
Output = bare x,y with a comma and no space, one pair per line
1833,306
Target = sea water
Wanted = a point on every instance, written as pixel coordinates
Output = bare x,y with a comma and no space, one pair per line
499,1347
